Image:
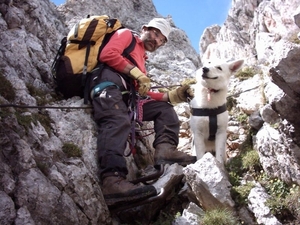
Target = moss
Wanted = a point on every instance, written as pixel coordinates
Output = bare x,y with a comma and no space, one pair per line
234,178
4,112
234,168
6,88
275,125
24,120
71,150
245,73
242,117
231,103
250,160
294,38
39,94
43,167
44,120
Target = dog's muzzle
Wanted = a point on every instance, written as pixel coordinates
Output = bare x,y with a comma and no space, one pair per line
205,70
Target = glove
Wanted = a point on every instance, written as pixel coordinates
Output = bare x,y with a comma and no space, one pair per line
180,94
142,79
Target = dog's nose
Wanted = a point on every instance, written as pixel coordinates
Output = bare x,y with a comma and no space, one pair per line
205,70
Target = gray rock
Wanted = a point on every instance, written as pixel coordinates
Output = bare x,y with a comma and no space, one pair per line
257,199
209,183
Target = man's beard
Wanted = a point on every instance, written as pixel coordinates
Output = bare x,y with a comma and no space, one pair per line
150,45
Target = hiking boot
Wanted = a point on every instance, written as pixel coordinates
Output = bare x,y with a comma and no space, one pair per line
166,153
117,190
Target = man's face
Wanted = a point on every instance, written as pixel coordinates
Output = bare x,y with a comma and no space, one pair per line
152,38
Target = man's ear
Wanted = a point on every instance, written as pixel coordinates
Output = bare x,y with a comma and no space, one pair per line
144,30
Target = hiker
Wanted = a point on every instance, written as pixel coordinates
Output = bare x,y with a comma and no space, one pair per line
112,116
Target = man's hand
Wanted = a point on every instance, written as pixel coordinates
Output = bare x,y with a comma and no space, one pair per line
180,94
142,79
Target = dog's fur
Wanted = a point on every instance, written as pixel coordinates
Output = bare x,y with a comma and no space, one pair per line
210,93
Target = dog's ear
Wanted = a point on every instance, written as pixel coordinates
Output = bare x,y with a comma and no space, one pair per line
236,65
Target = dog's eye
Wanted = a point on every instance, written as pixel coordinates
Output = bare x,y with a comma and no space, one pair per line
219,67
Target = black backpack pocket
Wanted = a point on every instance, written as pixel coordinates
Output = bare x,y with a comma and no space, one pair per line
68,84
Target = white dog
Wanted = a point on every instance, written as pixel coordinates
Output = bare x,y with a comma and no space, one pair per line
209,115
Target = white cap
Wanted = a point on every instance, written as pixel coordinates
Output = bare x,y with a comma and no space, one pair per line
161,24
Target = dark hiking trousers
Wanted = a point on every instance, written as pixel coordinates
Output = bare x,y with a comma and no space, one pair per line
114,124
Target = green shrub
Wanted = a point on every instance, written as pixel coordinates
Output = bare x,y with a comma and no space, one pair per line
278,207
240,193
242,117
6,88
274,186
219,217
293,201
285,203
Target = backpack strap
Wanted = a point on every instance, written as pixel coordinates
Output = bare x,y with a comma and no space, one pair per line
60,52
85,75
129,49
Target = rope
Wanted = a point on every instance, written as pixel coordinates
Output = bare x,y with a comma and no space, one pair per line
163,86
250,89
90,107
44,107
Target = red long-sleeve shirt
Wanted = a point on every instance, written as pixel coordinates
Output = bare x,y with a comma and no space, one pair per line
111,54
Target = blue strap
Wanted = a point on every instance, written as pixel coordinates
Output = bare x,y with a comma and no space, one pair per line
100,87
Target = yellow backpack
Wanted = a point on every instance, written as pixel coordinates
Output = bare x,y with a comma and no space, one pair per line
79,52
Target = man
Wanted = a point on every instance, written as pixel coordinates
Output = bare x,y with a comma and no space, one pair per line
111,111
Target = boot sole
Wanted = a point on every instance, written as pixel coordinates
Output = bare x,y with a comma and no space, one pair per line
130,196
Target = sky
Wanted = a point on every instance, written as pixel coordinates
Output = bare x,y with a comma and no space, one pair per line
192,16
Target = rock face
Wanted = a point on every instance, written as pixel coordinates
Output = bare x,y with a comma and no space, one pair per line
48,167
265,34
